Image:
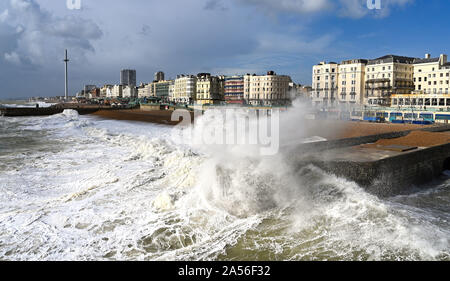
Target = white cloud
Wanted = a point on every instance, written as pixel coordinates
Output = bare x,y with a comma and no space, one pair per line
359,8
13,58
296,6
344,8
40,34
4,15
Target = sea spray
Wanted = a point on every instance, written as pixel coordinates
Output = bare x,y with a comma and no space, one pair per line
223,204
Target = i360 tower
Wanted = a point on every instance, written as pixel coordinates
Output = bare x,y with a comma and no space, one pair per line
66,94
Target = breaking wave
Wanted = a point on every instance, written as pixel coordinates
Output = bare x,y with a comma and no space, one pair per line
82,188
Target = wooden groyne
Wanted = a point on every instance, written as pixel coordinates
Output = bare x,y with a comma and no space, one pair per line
18,112
46,111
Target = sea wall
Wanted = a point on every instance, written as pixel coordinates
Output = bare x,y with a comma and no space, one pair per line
331,144
393,175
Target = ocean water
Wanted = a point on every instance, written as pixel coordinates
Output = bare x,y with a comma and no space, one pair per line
82,188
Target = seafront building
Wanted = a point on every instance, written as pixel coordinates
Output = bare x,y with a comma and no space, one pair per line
185,89
104,90
144,90
386,76
160,89
325,84
351,82
171,91
270,89
432,75
209,89
234,89
431,82
115,91
361,82
300,91
129,92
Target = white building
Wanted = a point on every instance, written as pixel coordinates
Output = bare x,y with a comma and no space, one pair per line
129,92
115,91
270,89
185,89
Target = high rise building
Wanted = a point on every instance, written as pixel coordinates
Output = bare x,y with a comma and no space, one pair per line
128,77
159,76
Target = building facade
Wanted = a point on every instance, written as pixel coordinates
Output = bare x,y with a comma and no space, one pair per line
114,92
270,89
185,89
160,89
386,76
128,77
432,75
351,82
129,92
209,89
104,90
171,91
325,84
420,101
143,91
234,89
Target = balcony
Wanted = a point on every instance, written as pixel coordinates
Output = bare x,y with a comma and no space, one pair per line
378,80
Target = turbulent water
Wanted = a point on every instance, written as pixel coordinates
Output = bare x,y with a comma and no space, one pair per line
81,188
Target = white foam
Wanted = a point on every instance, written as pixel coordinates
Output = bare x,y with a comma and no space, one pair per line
120,190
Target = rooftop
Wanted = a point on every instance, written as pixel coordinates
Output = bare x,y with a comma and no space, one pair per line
392,58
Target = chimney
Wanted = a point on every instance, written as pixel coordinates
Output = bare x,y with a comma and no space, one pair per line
427,56
443,59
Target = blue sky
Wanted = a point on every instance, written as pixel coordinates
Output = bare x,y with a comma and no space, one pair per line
192,36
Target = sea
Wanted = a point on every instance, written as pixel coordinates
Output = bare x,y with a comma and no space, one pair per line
83,188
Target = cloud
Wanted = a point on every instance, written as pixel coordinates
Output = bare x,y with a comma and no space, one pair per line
4,16
357,9
214,5
345,8
13,58
145,30
40,34
292,6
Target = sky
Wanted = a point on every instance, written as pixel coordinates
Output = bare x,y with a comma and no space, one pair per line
192,36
